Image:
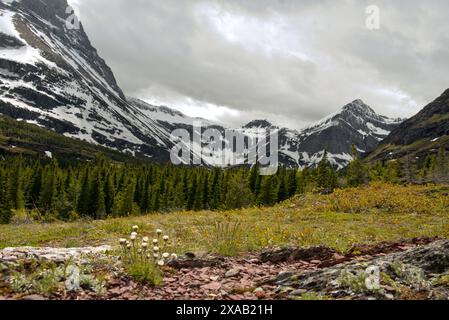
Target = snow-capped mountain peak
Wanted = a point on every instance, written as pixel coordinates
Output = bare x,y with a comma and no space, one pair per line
52,76
258,124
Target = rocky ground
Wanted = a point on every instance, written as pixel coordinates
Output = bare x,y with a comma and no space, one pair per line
409,269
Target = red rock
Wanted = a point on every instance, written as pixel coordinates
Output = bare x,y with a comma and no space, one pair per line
213,286
315,262
260,294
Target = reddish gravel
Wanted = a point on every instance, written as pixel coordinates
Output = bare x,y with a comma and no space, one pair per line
248,277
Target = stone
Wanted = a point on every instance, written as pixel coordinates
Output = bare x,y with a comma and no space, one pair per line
414,268
213,286
233,273
296,254
260,293
298,292
224,293
389,296
57,255
33,297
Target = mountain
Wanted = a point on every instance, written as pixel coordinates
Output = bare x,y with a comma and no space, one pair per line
52,76
355,124
419,136
29,140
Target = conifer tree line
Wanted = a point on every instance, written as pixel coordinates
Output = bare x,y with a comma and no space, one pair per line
102,188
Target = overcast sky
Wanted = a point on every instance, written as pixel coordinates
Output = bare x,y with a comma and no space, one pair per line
288,61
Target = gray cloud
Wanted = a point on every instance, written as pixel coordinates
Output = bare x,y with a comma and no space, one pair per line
289,61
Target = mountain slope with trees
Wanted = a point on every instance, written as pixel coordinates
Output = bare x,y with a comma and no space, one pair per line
421,144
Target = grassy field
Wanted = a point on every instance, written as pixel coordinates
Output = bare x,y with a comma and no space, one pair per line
375,213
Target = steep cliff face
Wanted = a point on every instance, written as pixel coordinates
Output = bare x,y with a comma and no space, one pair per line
51,75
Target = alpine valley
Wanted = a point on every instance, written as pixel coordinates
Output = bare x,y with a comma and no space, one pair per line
52,76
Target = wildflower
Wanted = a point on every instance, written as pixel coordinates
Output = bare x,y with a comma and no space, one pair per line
174,256
133,236
155,241
128,246
156,249
156,256
135,228
145,239
159,232
166,255
166,238
122,241
161,263
145,245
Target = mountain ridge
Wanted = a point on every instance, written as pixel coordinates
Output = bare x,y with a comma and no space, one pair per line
419,136
53,77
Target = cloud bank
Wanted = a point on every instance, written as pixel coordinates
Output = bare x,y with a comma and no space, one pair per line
287,61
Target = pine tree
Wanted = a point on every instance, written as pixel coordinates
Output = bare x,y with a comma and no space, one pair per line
98,204
84,197
109,193
326,176
292,183
356,172
283,187
215,190
192,193
5,208
269,190
239,194
15,186
49,187
35,186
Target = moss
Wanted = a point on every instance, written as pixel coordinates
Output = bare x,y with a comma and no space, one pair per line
311,296
442,280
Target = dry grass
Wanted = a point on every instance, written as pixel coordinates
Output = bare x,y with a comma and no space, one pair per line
365,215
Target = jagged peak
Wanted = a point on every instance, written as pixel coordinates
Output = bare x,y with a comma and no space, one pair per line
359,106
262,124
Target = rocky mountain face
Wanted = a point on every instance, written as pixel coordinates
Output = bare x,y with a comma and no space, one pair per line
419,136
52,76
355,124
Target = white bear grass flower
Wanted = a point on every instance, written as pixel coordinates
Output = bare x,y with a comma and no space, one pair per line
144,266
